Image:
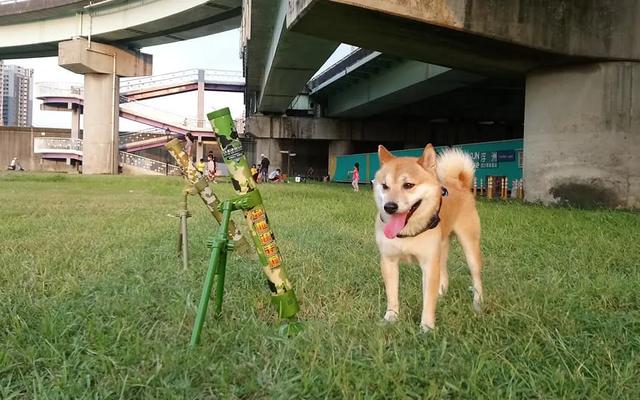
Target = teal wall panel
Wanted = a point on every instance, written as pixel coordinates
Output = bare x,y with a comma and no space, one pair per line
501,158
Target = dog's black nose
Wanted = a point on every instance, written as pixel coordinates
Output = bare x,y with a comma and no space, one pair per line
391,207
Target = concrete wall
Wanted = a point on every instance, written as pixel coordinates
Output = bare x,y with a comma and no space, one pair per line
582,135
413,132
317,141
18,142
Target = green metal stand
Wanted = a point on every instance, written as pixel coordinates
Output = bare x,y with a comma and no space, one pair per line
183,245
220,246
182,215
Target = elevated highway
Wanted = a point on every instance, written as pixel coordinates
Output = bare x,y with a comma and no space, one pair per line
33,28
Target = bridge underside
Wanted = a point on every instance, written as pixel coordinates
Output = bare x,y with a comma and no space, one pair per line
577,61
34,28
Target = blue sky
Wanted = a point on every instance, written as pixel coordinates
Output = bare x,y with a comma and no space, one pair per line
220,51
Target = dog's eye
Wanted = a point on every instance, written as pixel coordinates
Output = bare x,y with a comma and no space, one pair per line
407,185
385,187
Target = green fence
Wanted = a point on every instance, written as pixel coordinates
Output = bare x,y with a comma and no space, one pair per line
501,158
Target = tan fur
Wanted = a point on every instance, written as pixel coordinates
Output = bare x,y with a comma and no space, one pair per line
458,215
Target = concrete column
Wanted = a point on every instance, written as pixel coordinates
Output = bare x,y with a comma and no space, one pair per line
199,149
337,148
582,135
200,98
75,122
100,143
102,65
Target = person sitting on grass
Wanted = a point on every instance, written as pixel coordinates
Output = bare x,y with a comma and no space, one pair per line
275,176
254,172
14,165
200,166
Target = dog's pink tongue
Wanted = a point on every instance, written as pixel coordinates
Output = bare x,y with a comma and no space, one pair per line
395,225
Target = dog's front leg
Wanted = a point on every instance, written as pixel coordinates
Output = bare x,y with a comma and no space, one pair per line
391,276
430,278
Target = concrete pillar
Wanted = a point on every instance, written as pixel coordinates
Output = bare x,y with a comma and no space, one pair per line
200,98
75,122
102,65
582,135
337,148
100,143
199,149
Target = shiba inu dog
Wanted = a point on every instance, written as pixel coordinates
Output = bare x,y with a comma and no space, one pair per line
421,202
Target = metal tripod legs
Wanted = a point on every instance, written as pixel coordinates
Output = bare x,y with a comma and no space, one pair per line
220,246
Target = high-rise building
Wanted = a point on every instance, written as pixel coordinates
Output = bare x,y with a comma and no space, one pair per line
16,95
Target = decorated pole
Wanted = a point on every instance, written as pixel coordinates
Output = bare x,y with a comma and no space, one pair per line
199,185
282,295
490,187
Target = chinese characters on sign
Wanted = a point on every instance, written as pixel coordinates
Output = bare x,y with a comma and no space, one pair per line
485,159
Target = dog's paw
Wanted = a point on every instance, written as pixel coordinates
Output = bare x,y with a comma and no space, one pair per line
477,306
390,316
442,290
477,300
425,328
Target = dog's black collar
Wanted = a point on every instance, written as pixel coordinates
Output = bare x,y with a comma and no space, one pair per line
433,222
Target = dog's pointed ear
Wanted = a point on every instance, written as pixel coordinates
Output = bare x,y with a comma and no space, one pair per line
384,155
428,158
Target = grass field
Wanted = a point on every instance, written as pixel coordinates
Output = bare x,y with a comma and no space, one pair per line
94,303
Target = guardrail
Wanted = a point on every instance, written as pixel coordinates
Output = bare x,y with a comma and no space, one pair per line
131,137
170,118
60,89
148,164
57,145
190,75
74,89
340,66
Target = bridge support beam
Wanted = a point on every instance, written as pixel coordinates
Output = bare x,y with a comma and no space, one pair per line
101,65
582,135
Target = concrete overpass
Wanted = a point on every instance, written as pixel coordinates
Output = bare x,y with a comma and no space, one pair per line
33,28
578,61
277,61
69,97
101,40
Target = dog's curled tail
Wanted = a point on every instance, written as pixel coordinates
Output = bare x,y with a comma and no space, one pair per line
456,167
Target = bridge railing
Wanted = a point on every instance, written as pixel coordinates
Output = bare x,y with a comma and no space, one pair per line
148,164
165,116
175,78
65,89
131,137
60,89
341,65
57,145
223,76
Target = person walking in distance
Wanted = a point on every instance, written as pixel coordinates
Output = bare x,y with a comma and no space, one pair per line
189,143
355,177
264,168
211,168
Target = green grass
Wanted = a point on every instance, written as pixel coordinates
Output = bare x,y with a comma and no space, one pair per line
94,303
